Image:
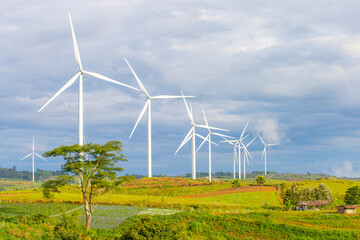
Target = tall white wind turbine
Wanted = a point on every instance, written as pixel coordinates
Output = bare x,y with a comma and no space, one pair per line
208,138
191,135
264,152
33,153
147,107
79,75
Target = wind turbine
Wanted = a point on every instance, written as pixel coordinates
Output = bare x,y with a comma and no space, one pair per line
79,75
33,153
264,152
147,107
238,144
234,156
191,135
208,138
246,153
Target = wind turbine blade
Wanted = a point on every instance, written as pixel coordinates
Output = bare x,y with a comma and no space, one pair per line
247,159
261,139
25,157
169,97
68,84
102,77
245,149
207,124
242,134
236,155
186,139
187,108
250,142
206,139
140,116
214,128
263,153
241,139
137,79
272,144
226,140
40,157
76,49
222,135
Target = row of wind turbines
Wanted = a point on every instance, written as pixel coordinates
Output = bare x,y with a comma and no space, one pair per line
237,144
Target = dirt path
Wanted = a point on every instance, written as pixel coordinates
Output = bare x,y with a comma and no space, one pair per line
231,190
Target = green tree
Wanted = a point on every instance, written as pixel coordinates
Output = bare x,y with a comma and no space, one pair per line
352,195
94,165
260,180
322,192
291,196
236,184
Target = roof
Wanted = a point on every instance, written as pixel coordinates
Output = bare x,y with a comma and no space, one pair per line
349,206
313,203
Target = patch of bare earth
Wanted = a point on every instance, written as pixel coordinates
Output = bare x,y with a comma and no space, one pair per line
231,191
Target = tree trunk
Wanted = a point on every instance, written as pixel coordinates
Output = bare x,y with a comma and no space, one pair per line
88,221
261,195
88,215
236,195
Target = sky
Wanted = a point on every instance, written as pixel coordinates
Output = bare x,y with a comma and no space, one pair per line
290,68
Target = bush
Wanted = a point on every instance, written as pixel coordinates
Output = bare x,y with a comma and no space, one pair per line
352,195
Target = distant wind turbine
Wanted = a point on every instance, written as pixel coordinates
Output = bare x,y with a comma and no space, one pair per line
79,75
239,145
246,154
235,159
208,138
264,152
33,153
191,135
147,107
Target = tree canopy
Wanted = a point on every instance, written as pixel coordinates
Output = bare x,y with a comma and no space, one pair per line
352,195
94,165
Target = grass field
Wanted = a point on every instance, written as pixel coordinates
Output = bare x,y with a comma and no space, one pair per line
213,213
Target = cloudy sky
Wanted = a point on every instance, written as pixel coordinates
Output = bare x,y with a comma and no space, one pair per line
291,68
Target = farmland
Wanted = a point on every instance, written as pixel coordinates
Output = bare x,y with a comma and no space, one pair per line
206,210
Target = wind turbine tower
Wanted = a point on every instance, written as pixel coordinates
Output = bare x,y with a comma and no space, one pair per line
264,152
33,153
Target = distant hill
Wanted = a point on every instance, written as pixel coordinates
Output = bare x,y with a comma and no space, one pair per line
293,177
40,175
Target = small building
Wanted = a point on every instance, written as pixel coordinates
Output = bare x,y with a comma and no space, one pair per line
311,205
347,209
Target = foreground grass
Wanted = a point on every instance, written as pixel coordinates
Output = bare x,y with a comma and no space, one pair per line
201,225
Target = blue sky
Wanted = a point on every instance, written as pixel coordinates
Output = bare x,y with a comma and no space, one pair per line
290,68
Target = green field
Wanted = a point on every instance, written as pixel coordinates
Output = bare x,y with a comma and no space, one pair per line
140,204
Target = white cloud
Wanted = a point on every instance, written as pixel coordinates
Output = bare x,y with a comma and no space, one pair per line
346,170
269,130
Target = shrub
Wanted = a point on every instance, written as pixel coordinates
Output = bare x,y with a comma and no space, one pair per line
352,195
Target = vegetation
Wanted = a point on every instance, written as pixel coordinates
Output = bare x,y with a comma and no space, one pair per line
191,225
236,184
210,211
94,165
352,195
293,195
40,175
260,180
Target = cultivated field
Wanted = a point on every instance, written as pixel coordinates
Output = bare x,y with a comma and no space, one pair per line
206,211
